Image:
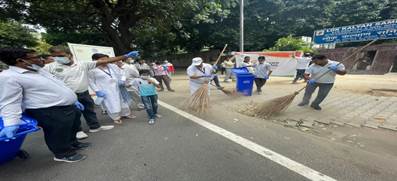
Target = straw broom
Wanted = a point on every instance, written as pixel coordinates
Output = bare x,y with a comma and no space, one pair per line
228,92
280,104
199,101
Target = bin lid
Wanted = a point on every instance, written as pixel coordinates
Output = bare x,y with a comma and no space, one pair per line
26,121
242,70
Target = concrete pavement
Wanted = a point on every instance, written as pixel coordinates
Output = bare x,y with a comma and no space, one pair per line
178,149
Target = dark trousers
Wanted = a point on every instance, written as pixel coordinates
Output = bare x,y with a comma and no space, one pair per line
323,91
151,105
88,112
216,80
259,82
223,70
299,74
60,125
165,79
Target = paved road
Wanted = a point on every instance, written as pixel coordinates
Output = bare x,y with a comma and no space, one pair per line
177,149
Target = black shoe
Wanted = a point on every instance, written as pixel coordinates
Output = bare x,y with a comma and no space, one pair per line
71,159
80,145
316,107
302,104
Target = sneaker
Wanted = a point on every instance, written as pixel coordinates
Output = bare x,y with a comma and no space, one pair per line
81,145
302,104
158,116
81,135
151,121
316,107
102,128
71,159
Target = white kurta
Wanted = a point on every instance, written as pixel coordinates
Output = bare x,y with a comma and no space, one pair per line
106,80
194,71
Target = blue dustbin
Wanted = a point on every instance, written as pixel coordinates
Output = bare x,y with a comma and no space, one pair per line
245,81
12,148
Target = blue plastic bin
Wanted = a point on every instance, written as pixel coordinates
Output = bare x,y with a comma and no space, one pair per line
10,149
245,81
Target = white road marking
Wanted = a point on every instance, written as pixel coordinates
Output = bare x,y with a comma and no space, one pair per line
265,152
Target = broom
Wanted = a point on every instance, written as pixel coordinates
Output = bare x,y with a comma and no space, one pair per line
280,104
199,101
228,92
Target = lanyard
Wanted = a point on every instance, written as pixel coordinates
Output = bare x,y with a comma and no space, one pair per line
109,73
203,71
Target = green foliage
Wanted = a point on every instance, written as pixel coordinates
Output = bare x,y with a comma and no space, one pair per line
13,34
159,27
42,47
290,43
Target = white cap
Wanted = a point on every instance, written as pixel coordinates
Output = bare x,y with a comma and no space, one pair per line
197,61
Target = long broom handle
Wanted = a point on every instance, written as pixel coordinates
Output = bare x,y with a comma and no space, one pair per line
220,55
343,60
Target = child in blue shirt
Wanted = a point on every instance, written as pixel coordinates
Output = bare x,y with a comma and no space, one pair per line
147,90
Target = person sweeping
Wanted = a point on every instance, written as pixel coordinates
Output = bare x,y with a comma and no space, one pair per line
199,77
199,73
320,74
262,73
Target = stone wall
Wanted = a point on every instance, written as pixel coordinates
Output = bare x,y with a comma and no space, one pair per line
384,57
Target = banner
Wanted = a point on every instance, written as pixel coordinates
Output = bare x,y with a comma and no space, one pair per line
83,52
362,32
283,62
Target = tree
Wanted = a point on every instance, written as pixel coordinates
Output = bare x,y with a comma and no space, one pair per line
13,34
290,43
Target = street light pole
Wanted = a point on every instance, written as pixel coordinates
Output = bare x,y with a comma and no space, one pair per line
241,26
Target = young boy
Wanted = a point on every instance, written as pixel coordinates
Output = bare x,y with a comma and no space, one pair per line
147,90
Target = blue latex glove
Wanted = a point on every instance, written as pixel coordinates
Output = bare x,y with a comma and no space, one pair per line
333,67
9,132
311,82
132,54
100,94
79,106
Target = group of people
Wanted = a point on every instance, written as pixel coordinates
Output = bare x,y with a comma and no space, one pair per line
317,71
56,94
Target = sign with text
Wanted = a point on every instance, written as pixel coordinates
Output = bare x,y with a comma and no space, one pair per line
83,52
355,33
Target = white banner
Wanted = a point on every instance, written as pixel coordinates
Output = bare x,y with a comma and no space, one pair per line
283,63
83,52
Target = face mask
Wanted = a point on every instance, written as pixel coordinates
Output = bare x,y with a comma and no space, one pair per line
31,66
62,60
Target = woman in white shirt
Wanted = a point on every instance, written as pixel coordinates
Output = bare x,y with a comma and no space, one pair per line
105,80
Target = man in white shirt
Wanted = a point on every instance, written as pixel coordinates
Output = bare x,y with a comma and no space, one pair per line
321,74
302,64
262,73
199,73
75,76
247,63
25,87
